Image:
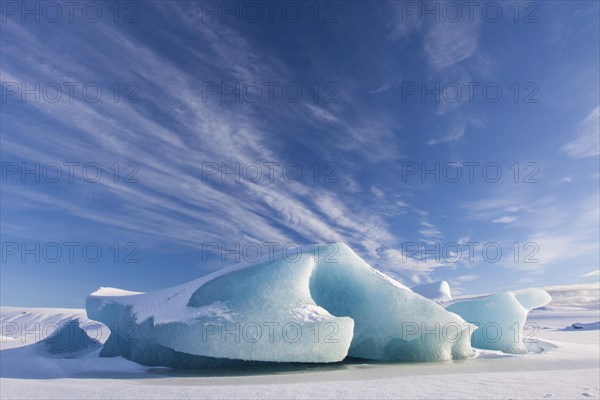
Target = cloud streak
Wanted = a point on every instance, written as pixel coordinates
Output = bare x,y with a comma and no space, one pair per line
587,143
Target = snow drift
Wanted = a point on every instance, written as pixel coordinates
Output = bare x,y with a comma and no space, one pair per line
70,340
313,309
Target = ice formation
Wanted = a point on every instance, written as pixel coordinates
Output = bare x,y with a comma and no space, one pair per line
500,318
436,291
322,307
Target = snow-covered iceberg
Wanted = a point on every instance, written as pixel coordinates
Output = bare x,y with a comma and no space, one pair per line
436,291
500,318
313,309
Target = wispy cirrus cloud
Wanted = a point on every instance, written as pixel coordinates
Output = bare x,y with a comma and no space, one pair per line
173,202
592,274
587,143
447,43
506,219
397,262
430,231
451,49
550,234
454,135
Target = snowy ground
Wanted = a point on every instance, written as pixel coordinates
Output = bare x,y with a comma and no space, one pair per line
565,363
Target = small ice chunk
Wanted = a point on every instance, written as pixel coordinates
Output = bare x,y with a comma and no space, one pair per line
436,291
584,326
500,318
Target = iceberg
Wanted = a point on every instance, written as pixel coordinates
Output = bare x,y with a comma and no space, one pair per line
261,313
500,318
436,291
391,322
313,309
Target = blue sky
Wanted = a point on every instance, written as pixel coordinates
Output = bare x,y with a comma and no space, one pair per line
369,95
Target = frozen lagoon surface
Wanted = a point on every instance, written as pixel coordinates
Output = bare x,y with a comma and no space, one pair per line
558,360
568,367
